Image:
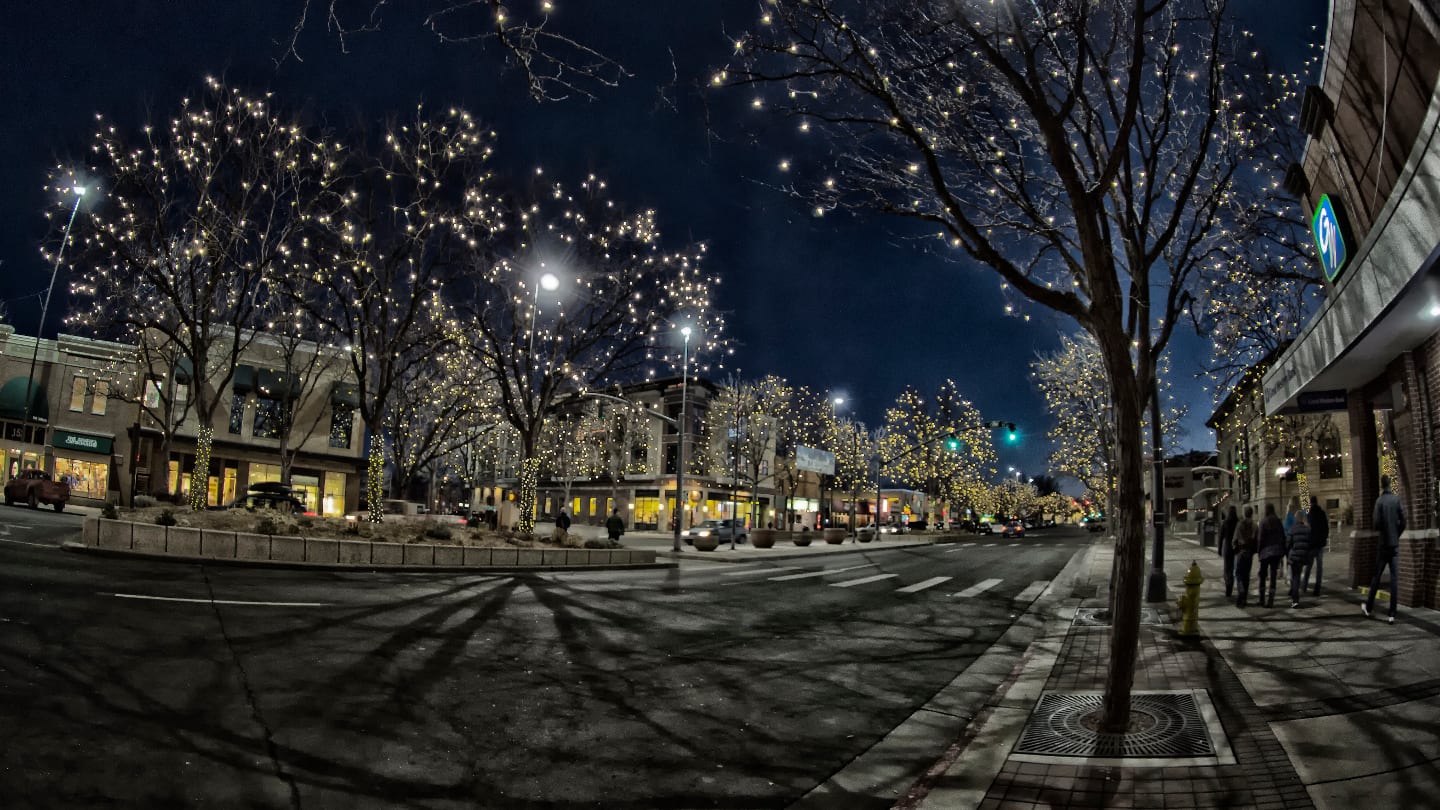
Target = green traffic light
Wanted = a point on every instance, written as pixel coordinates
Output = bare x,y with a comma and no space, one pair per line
1013,436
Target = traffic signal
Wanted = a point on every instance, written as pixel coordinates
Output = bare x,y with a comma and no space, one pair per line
1012,437
952,443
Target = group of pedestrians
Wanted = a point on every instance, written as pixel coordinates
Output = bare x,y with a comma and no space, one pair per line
1300,540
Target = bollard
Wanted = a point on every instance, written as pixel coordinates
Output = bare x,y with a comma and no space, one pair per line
1189,602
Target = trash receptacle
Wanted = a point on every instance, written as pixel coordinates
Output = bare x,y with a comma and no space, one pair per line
1207,532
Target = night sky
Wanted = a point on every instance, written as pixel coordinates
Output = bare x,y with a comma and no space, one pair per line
835,303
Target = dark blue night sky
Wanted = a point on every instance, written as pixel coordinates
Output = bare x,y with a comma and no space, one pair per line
833,303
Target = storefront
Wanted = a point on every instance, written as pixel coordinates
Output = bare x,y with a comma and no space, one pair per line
83,460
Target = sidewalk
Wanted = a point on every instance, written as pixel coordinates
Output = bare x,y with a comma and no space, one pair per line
1320,706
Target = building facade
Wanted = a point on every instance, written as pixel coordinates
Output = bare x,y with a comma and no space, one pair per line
1372,352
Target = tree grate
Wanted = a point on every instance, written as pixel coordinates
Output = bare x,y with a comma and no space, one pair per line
1100,617
1163,725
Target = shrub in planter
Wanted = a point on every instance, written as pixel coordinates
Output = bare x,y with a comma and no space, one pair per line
437,532
165,518
109,512
142,501
267,525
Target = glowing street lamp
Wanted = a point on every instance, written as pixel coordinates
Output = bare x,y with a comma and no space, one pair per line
45,307
680,450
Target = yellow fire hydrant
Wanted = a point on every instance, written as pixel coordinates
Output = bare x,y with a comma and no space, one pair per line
1189,602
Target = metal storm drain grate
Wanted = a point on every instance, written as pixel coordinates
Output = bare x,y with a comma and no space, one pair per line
1163,726
1100,617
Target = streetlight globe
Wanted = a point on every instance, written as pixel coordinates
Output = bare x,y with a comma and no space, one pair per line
79,190
685,330
837,401
549,282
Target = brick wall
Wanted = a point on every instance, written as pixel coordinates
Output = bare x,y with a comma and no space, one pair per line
1365,480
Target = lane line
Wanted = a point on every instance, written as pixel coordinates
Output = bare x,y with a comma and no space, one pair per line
23,543
953,550
989,545
850,583
979,588
754,571
825,572
920,586
1033,590
214,601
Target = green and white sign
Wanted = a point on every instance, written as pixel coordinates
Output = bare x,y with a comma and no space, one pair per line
83,442
1329,241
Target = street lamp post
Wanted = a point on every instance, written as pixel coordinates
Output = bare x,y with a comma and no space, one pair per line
45,307
680,449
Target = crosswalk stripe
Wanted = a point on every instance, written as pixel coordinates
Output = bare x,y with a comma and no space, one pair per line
862,581
1033,590
953,550
920,586
989,545
821,573
979,588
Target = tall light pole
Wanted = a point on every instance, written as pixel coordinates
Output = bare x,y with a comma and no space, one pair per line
835,404
45,307
680,448
549,283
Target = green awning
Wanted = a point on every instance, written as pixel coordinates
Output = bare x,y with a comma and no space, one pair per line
12,400
244,380
277,385
345,394
184,370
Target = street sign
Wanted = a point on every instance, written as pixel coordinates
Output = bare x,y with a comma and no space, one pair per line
1329,240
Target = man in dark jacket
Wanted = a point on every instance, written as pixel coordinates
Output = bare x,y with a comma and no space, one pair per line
1319,539
614,526
1389,521
1271,543
1297,548
1227,547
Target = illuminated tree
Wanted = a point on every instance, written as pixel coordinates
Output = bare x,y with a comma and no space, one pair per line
384,255
200,217
440,404
611,316
918,448
742,424
1088,155
801,424
554,64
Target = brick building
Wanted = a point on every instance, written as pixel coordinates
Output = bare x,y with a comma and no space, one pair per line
1373,349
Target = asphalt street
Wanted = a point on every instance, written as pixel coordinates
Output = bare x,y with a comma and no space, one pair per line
163,684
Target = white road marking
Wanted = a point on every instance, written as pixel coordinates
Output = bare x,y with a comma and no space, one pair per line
23,543
753,571
989,545
862,581
979,588
216,601
825,572
1033,591
920,586
953,550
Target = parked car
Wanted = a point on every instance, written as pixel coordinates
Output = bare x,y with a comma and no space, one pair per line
1014,528
1094,524
995,527
35,487
722,529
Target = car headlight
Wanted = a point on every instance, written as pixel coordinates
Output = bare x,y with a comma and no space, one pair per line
703,533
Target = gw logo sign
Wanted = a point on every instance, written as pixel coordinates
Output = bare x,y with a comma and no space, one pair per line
1325,225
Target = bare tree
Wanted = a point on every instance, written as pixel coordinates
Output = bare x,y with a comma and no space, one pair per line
742,426
200,216
610,317
1087,154
554,64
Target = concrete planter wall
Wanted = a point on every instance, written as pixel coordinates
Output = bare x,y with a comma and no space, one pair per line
185,542
834,536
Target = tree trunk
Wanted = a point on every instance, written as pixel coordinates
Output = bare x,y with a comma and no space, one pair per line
200,476
1129,518
529,475
374,471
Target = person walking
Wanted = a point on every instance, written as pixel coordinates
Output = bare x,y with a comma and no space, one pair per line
1389,521
1319,540
1244,543
562,526
1297,549
615,527
1290,510
1270,545
1227,548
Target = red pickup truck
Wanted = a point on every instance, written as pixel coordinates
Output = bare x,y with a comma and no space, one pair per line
36,487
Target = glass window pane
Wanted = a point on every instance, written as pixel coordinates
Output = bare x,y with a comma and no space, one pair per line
77,394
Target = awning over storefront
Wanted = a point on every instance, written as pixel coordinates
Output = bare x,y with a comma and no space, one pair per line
277,384
184,371
12,400
345,394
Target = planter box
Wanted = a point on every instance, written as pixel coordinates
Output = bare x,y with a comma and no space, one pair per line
287,549
554,556
147,538
182,541
708,543
801,538
477,556
449,555
387,553
763,538
252,546
416,554
834,536
322,551
352,552
529,557
217,544
504,557
114,534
